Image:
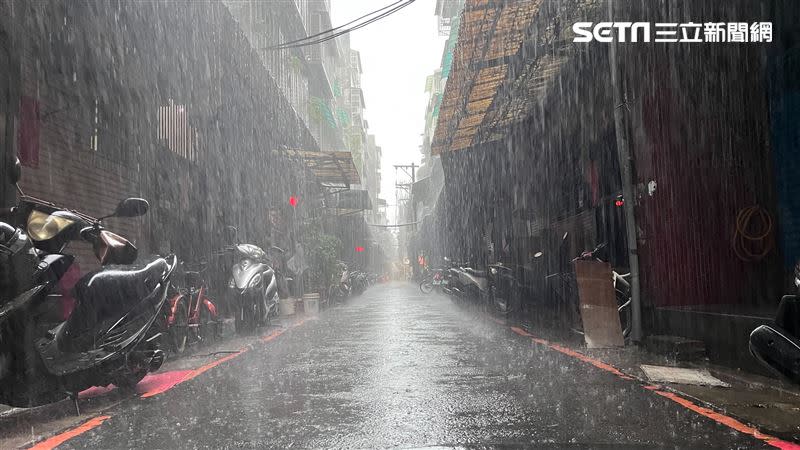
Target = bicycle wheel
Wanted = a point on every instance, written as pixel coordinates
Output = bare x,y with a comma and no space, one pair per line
179,331
426,286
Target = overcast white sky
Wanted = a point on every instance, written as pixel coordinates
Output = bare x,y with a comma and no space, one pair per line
397,54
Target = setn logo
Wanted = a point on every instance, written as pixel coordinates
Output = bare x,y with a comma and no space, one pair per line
672,32
604,31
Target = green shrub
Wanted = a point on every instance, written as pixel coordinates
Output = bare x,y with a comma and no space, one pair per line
323,252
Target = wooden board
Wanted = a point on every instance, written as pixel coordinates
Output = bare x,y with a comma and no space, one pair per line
598,305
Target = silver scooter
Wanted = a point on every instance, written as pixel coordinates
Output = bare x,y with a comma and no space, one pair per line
253,285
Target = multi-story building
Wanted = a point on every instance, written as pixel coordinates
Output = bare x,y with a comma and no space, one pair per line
184,122
447,11
353,105
306,74
371,175
430,177
323,83
366,153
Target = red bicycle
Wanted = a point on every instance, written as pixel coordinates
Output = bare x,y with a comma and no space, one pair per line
191,315
434,279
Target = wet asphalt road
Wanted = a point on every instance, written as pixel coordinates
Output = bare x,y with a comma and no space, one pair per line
396,368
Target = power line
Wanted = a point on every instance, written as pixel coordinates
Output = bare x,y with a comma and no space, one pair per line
410,224
339,27
340,33
304,42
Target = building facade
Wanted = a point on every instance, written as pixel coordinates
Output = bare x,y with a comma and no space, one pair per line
164,101
543,141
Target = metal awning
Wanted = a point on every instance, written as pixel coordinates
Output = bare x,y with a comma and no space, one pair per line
348,202
505,56
331,169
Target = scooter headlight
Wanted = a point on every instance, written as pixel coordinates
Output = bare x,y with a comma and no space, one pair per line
43,226
493,270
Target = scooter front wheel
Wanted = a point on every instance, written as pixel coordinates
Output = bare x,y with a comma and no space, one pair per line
246,318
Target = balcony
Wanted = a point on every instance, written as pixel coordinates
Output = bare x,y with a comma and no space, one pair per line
320,81
320,58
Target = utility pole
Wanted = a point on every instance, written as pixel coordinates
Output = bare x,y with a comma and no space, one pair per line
405,176
410,172
626,169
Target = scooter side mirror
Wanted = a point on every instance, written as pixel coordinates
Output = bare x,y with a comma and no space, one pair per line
131,207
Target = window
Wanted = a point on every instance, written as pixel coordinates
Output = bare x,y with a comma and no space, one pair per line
175,131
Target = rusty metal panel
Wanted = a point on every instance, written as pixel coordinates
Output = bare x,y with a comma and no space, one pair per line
598,305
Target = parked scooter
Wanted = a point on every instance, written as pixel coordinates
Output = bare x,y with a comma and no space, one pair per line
107,338
433,279
502,285
777,346
338,292
372,278
358,282
490,289
470,285
452,285
190,316
253,285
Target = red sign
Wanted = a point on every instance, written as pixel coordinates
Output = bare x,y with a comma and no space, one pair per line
293,201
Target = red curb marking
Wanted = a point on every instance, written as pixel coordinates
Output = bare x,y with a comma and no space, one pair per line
59,439
595,362
720,418
151,382
727,421
213,364
194,373
521,332
163,380
168,381
271,336
188,375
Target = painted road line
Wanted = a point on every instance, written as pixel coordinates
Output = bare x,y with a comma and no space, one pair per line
186,375
170,380
60,438
718,417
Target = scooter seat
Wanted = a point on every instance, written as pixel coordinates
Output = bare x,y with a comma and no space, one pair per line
475,273
121,282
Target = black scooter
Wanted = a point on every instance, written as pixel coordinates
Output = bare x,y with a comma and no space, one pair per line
502,285
107,338
777,346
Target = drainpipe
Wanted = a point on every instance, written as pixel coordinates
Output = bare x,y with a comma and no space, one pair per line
625,163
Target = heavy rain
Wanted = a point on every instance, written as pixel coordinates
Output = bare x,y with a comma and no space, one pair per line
399,224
